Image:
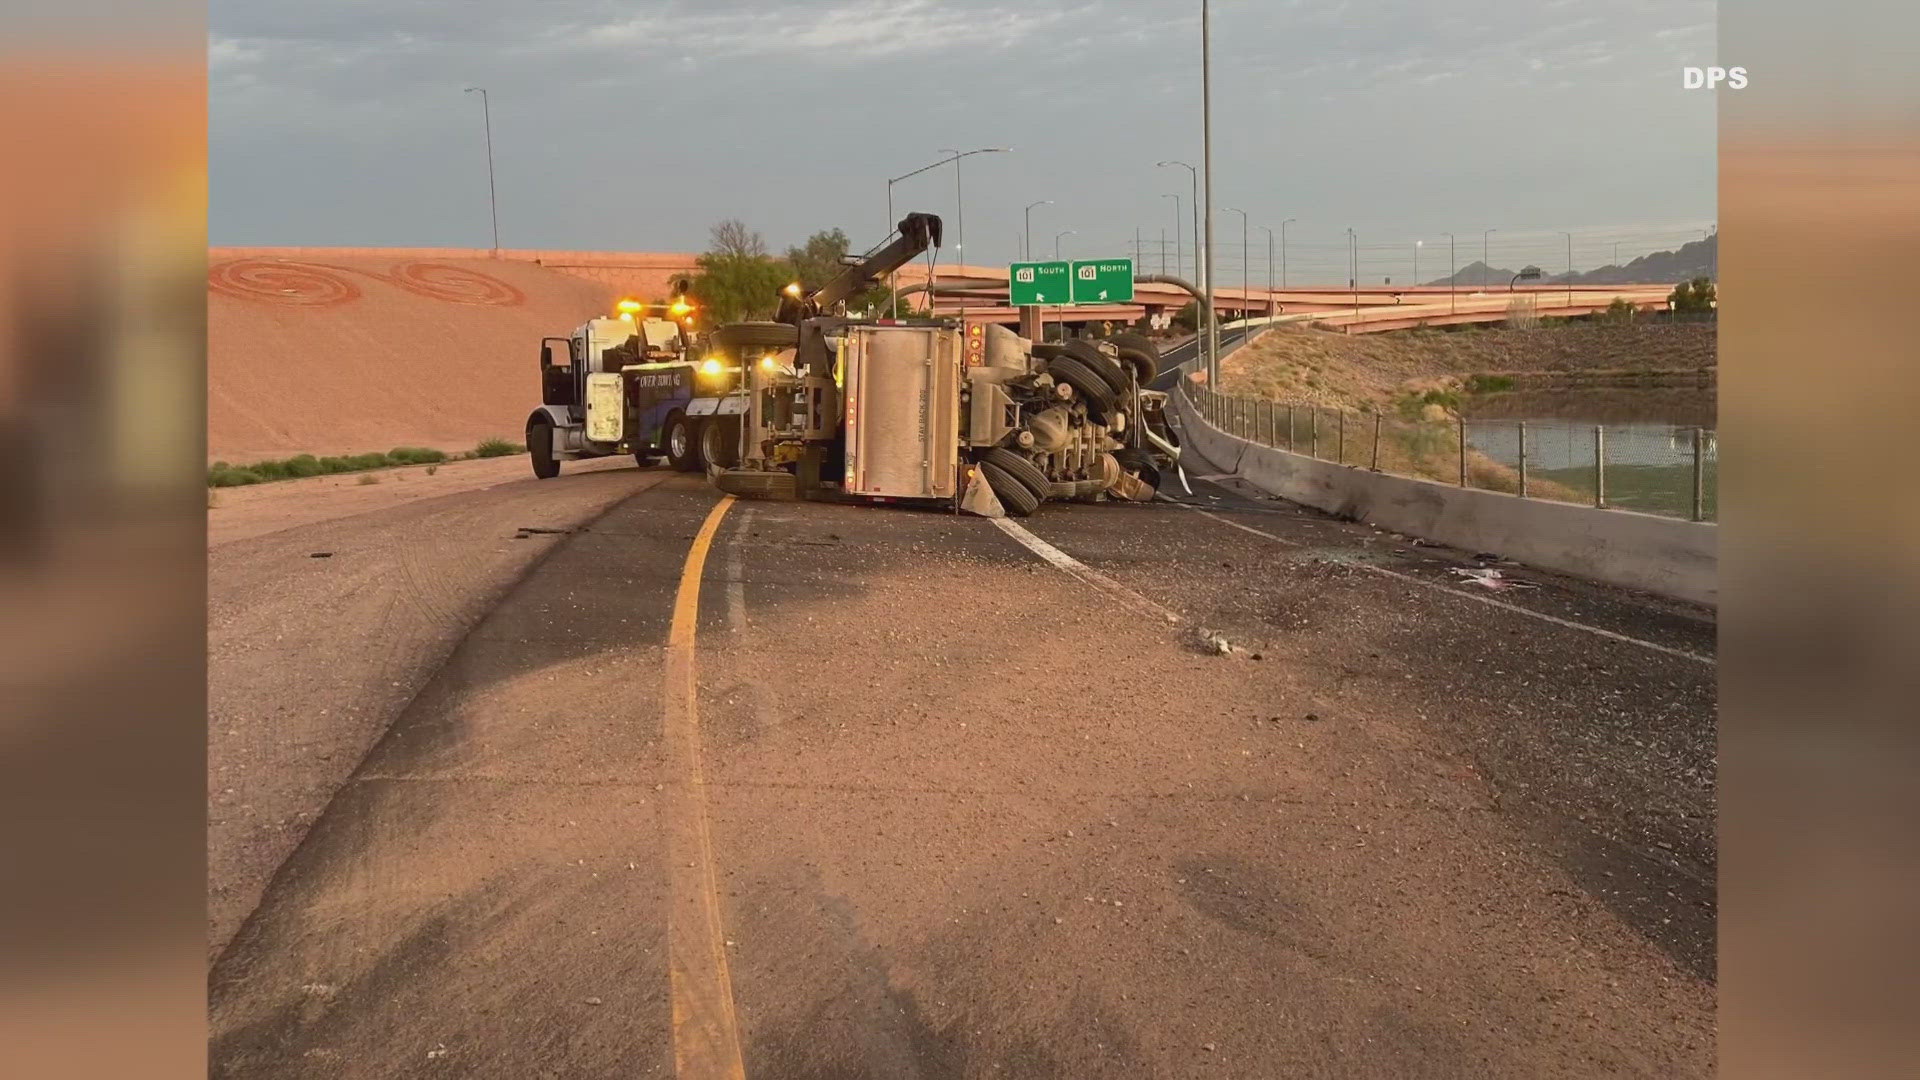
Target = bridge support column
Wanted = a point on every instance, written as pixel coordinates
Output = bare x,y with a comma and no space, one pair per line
1030,323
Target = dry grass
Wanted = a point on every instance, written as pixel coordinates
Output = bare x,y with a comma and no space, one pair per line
1378,371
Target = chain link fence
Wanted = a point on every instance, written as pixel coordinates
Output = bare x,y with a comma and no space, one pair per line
1651,468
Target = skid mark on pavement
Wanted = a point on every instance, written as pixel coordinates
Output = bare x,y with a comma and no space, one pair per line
1445,591
706,1029
1133,601
736,581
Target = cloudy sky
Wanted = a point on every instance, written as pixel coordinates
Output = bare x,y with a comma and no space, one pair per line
635,125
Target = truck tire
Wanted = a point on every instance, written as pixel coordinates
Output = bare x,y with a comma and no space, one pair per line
1046,350
540,449
1088,385
1015,496
1139,352
720,442
1100,364
683,443
1019,467
757,335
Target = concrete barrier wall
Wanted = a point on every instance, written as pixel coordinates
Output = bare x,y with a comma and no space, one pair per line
1660,555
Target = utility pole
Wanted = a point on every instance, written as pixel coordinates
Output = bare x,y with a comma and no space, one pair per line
1163,252
1484,266
493,201
1206,160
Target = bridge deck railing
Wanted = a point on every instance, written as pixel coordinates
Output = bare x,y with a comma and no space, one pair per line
1670,470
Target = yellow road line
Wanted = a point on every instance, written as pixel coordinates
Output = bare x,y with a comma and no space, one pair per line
706,1030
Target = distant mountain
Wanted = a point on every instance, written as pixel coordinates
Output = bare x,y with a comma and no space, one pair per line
1695,259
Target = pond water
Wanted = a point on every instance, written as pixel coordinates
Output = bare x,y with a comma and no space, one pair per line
1649,466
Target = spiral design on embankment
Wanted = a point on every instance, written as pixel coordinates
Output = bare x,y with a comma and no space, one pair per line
285,281
456,285
281,282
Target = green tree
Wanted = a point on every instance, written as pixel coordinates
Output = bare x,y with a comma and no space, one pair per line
1621,310
818,262
738,280
1695,295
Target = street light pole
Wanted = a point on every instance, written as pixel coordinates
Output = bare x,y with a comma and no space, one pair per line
493,201
892,279
1484,267
1243,256
1030,206
1416,262
1283,250
1206,159
1269,233
1453,278
1056,241
1179,245
1199,270
1569,237
959,203
1353,274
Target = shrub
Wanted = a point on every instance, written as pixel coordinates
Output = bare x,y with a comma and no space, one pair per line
304,465
232,477
368,478
498,448
415,455
1488,384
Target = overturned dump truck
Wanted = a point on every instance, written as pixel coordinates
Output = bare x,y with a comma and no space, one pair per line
935,411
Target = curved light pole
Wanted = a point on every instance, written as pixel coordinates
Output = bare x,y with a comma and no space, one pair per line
1195,204
493,202
1029,214
1199,270
1484,265
1056,241
959,205
1179,250
893,278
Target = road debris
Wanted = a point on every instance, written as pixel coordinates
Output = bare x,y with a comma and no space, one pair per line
1489,578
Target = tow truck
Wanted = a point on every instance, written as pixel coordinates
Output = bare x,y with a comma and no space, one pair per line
631,383
944,412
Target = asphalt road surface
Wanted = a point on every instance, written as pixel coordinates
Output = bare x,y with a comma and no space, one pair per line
724,789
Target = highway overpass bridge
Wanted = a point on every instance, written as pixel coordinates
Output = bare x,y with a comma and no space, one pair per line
981,293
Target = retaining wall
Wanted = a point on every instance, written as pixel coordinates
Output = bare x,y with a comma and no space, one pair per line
1660,555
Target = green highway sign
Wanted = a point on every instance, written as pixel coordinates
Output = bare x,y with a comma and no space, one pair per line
1033,283
1103,281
